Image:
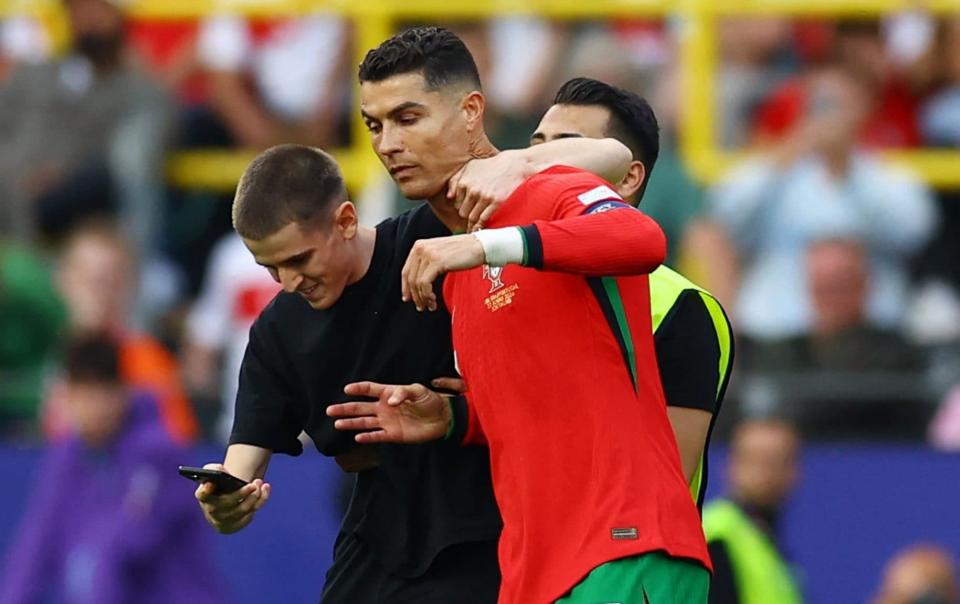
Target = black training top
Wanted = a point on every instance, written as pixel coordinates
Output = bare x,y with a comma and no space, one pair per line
422,498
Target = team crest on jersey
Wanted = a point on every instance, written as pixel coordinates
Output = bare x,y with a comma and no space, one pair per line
494,274
500,294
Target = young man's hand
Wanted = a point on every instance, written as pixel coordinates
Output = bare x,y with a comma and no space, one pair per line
401,414
431,258
230,512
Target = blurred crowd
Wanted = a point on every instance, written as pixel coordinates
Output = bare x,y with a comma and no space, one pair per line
839,270
125,301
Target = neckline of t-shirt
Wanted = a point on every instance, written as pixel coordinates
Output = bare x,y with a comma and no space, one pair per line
368,282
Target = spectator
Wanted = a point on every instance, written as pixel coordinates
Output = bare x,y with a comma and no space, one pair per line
279,81
106,524
82,134
756,56
841,338
31,317
96,278
235,290
749,565
921,574
891,97
816,184
934,316
941,114
524,52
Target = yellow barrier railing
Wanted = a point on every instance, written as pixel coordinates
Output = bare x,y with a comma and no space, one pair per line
699,56
375,20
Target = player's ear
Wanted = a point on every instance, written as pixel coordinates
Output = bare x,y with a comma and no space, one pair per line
633,180
473,106
345,220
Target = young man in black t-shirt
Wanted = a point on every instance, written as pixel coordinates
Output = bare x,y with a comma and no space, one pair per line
421,527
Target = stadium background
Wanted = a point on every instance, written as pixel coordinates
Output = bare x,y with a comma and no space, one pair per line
878,471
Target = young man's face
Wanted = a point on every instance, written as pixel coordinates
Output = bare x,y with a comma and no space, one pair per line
312,262
420,136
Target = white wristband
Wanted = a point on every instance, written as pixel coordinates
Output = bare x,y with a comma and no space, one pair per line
501,246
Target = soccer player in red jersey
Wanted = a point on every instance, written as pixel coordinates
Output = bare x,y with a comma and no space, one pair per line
563,381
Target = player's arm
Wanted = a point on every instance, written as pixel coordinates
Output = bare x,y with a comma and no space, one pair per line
610,238
465,427
482,185
689,357
690,427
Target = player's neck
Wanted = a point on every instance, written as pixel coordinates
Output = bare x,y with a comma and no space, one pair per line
442,207
364,242
481,147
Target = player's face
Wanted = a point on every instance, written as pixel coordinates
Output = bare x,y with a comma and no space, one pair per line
579,121
312,262
421,136
571,121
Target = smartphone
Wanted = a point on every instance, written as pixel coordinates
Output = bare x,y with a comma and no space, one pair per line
225,483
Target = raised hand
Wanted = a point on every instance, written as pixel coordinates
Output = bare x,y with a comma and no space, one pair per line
401,414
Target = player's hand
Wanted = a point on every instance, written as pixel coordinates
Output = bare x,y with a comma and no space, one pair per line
358,459
431,258
230,512
481,186
401,414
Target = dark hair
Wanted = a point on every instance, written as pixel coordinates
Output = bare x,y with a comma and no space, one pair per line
437,52
93,359
286,184
632,121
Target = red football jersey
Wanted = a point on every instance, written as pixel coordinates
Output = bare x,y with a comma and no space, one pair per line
564,389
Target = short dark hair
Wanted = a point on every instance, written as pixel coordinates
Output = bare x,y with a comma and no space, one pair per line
93,358
286,184
437,52
632,121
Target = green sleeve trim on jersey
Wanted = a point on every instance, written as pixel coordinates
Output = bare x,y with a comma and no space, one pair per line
526,247
616,302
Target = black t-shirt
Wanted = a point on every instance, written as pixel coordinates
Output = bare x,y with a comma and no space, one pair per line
688,355
422,498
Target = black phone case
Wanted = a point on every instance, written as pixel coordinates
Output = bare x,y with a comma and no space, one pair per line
224,482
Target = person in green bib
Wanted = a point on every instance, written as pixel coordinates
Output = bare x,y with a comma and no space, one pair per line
741,529
692,336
